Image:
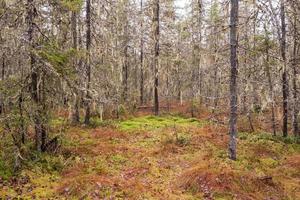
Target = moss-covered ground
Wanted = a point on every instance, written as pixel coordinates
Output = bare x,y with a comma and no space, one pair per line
166,157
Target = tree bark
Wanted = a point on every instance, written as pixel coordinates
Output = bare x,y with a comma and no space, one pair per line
200,71
31,13
88,62
156,55
295,74
271,92
233,78
285,86
125,64
75,118
2,78
142,58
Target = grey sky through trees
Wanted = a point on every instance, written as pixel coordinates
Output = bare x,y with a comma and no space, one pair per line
181,6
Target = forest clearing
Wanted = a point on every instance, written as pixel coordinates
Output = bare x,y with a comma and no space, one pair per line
150,99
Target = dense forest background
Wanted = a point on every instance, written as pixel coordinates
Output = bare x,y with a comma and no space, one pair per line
92,63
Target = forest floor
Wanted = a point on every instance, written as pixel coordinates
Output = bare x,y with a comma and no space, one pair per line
166,157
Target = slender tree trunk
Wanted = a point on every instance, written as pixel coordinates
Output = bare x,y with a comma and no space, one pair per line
200,71
75,112
295,73
233,78
3,67
31,13
88,62
20,105
168,88
142,58
271,93
156,55
2,78
255,101
125,65
285,86
125,75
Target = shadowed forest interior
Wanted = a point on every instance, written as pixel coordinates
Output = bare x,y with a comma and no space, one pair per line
150,99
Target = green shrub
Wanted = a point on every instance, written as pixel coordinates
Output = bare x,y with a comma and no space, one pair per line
5,171
46,162
183,139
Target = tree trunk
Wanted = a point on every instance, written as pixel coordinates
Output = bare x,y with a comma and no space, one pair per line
285,86
125,66
31,12
142,58
233,78
295,73
75,118
88,62
271,93
156,55
200,71
2,78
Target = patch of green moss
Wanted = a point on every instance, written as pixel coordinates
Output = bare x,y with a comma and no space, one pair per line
43,185
118,159
97,122
98,166
157,122
5,171
223,196
269,162
148,142
44,162
89,142
262,136
57,122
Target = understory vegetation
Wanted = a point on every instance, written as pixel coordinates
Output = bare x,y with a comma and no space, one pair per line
154,157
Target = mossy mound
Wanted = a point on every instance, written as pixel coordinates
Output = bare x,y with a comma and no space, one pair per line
156,122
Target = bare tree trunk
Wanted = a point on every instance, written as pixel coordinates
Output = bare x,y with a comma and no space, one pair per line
168,88
75,112
285,86
295,73
271,92
142,58
2,78
233,78
125,67
156,55
88,62
20,105
200,71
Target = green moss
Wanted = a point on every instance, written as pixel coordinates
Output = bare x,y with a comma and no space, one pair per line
263,136
56,122
98,166
44,184
97,122
148,142
73,5
118,159
89,142
223,196
5,171
157,122
183,139
269,162
46,163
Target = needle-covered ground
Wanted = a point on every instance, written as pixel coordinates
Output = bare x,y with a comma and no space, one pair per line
166,157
